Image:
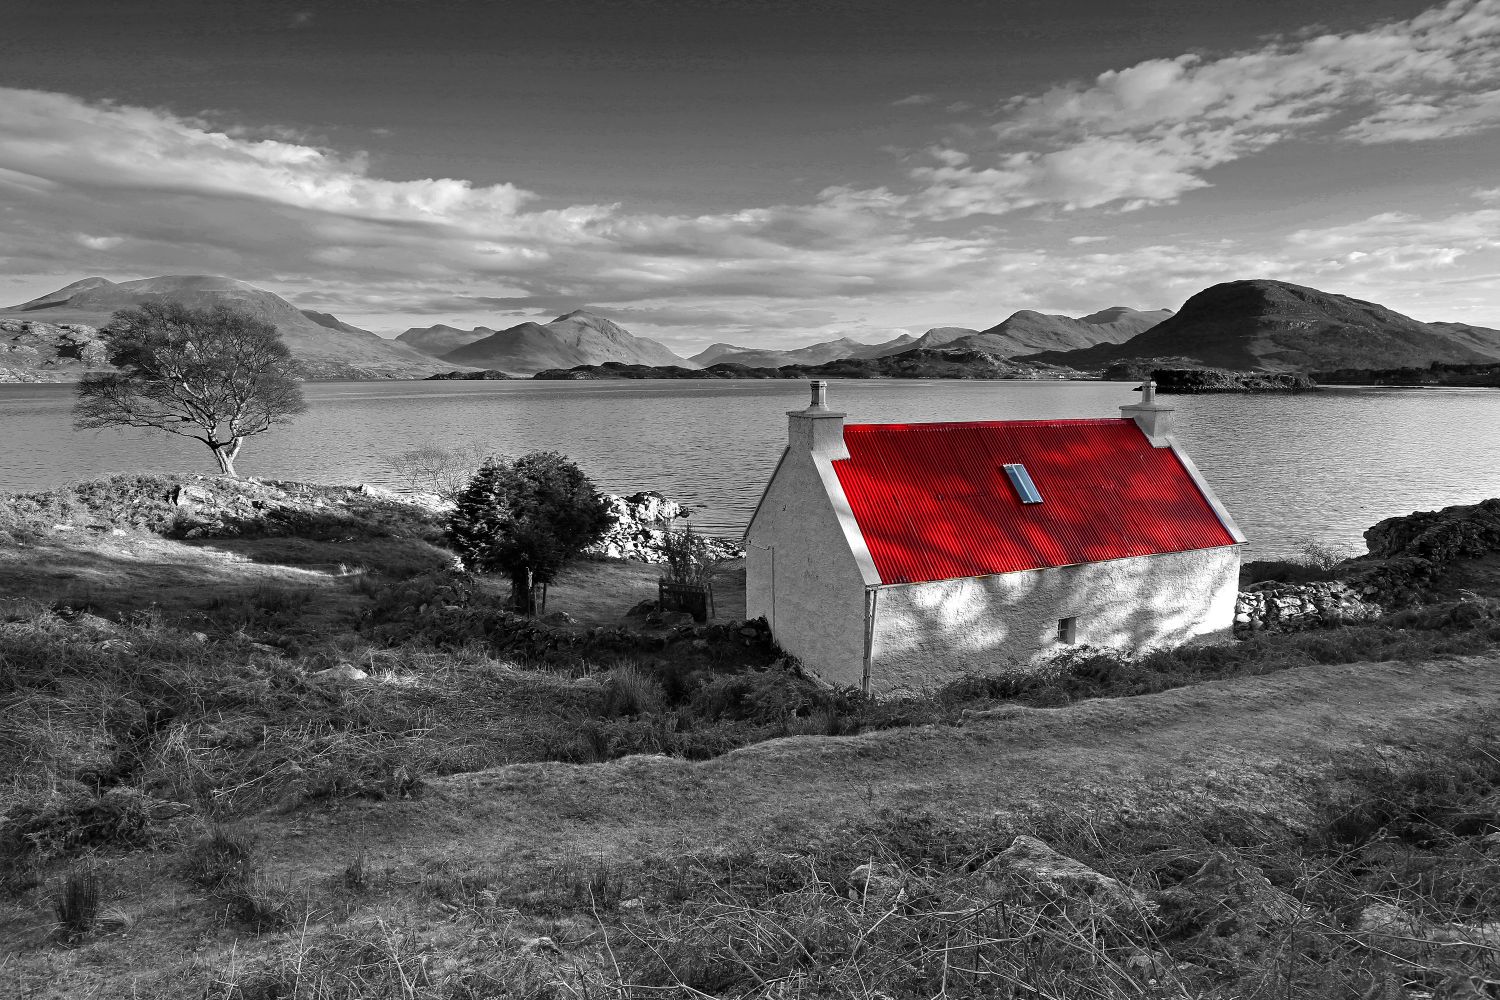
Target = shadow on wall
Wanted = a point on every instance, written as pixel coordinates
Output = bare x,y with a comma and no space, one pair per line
929,633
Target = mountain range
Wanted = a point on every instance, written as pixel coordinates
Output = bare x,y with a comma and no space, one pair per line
575,338
327,347
1024,332
1249,324
1279,326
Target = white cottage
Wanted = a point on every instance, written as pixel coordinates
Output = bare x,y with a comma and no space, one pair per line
896,557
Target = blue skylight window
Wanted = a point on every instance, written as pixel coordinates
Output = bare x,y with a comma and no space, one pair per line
1021,480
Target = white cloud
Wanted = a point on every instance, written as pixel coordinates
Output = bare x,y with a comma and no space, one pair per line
60,139
1149,133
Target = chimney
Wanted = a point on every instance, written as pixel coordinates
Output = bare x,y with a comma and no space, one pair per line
1152,417
817,429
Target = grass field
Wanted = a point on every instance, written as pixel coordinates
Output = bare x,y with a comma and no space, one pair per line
203,797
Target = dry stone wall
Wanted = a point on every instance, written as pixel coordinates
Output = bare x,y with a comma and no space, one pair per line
1300,605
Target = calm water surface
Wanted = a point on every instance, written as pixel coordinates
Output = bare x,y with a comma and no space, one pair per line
1323,465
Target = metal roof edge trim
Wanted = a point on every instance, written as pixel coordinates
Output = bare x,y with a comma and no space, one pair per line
854,536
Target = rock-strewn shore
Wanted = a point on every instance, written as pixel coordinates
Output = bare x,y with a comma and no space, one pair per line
641,521
1196,380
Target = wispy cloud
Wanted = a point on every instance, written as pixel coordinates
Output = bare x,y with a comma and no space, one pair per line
1151,133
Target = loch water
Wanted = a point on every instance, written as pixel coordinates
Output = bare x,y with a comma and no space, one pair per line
1291,468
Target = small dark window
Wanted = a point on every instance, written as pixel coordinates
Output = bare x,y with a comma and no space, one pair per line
1067,631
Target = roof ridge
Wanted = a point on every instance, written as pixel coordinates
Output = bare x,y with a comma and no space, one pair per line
936,424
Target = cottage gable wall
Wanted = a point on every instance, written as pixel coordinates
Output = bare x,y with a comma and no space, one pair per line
803,576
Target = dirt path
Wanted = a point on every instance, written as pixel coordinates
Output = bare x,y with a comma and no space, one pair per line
1252,747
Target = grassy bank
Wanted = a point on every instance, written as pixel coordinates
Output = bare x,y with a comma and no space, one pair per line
201,692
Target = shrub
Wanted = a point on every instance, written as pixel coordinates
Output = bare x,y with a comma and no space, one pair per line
438,469
689,558
628,690
258,903
756,696
219,858
77,903
527,518
55,824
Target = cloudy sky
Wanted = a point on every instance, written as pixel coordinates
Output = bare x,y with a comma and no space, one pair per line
766,172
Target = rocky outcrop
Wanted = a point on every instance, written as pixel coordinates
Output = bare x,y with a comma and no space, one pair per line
1416,557
1302,605
32,351
488,375
1196,380
1485,376
640,521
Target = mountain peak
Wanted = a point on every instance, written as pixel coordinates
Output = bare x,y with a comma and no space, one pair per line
1277,325
584,313
576,338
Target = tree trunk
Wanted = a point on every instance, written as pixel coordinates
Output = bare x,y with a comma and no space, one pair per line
225,460
225,454
522,601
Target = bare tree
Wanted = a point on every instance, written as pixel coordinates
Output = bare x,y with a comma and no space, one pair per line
438,469
215,375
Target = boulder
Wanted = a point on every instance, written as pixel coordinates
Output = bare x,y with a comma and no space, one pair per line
1031,873
877,886
1393,930
340,672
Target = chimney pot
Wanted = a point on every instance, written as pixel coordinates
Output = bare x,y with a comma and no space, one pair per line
818,429
1151,415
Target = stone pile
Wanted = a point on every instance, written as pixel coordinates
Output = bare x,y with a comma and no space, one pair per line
1298,605
640,521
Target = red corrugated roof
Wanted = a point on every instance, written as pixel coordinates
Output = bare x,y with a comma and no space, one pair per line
934,503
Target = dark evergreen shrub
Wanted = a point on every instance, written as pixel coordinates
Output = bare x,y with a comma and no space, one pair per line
527,518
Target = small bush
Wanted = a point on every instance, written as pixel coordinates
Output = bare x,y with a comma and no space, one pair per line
77,904
755,696
258,903
356,874
220,858
55,824
689,557
434,468
629,690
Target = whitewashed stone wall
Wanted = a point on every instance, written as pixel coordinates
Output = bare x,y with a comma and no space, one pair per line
802,577
929,634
